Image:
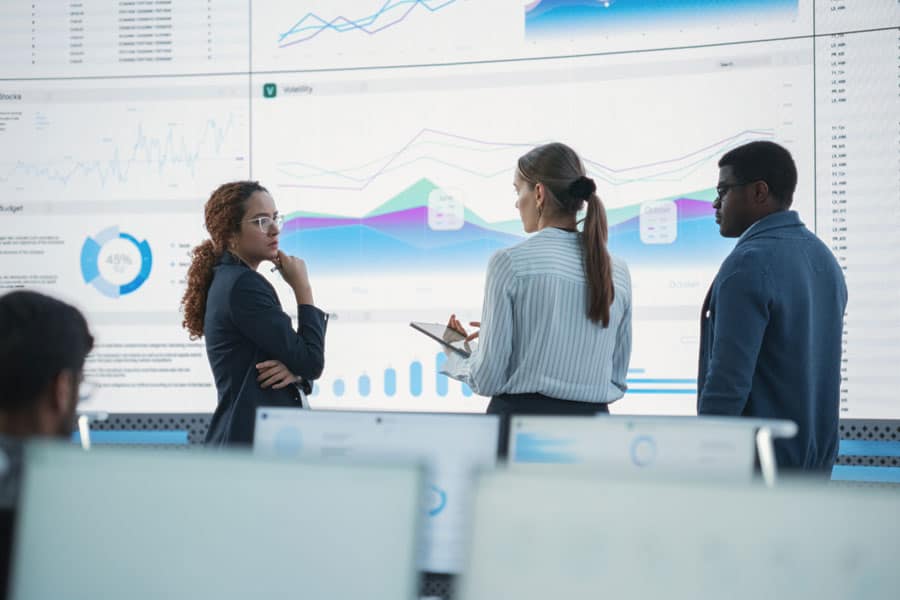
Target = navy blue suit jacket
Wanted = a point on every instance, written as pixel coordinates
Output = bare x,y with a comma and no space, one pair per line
770,338
245,325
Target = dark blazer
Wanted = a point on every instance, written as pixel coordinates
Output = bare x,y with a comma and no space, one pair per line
245,325
770,338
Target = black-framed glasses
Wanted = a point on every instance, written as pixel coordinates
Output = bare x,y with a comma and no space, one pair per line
724,188
265,223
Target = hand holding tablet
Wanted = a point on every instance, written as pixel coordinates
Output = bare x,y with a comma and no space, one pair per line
455,323
449,338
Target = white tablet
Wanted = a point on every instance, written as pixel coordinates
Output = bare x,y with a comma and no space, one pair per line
442,334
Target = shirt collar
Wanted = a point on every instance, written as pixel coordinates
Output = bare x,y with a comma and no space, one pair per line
782,218
748,230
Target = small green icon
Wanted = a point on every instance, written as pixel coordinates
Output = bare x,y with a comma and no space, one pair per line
270,90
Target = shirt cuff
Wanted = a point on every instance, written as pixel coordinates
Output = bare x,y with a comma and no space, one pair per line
457,367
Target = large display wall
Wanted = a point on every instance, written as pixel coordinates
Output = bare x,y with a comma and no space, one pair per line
388,132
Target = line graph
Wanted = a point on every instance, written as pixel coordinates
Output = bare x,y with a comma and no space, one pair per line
156,153
135,150
325,34
492,158
465,131
391,13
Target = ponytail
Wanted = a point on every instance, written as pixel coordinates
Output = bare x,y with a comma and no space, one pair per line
561,171
199,278
597,262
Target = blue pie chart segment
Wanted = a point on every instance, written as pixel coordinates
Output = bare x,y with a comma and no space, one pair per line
90,262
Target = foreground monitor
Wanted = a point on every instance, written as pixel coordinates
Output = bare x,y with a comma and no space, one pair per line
127,523
568,534
451,447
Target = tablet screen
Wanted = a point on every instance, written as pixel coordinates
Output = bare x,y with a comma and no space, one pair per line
444,335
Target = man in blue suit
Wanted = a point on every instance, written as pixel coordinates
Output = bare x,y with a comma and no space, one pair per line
771,325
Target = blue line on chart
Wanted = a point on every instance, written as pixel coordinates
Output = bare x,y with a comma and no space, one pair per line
607,173
343,24
148,150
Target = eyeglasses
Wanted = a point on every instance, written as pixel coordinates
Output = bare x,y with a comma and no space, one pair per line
723,189
265,223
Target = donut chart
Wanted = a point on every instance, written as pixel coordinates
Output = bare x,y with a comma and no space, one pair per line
91,256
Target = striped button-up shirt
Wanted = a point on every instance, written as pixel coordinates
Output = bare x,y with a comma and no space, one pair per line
535,334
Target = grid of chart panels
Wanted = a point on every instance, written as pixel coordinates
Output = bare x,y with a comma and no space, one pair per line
387,132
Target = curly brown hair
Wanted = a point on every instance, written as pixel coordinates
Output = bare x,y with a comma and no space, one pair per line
224,211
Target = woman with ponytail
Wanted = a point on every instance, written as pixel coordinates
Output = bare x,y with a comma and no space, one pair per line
555,332
257,357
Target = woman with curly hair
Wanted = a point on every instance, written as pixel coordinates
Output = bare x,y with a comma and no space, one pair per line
257,358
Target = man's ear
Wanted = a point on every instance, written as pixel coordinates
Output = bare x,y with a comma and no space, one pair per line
761,192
